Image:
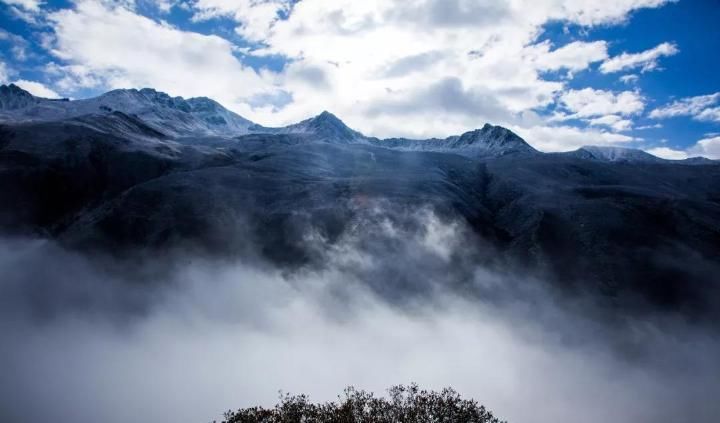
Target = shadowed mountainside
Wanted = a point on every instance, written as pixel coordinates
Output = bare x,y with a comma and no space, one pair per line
140,170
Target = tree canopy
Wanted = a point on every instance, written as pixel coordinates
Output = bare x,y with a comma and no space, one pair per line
404,404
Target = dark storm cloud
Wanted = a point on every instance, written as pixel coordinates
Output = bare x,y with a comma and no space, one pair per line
398,297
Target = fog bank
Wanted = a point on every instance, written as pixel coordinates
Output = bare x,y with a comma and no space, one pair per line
183,338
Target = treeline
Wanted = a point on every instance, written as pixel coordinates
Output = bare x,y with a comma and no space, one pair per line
404,404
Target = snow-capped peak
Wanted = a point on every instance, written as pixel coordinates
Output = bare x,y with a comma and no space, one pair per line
174,116
493,138
325,126
490,140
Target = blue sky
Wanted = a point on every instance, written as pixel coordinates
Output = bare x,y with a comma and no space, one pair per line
561,73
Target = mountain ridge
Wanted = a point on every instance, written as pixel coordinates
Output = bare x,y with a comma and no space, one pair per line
177,117
122,179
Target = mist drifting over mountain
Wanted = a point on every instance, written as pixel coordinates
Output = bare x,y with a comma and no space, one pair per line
165,259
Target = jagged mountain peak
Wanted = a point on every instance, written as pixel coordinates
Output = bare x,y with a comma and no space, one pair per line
12,89
144,97
173,116
153,97
496,132
326,118
13,97
494,139
326,126
490,140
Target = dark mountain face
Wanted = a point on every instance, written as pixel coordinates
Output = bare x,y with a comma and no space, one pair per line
139,176
488,141
13,97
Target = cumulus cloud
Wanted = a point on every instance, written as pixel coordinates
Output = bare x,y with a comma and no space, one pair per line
601,108
646,60
615,122
117,48
165,6
337,57
707,147
566,138
36,88
590,12
574,56
589,102
499,57
702,108
31,5
710,114
487,47
255,17
29,11
668,153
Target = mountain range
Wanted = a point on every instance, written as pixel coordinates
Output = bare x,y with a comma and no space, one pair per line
139,170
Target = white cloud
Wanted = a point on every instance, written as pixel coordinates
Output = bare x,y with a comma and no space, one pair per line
589,102
486,47
707,147
117,48
709,114
703,108
444,66
29,11
646,60
29,5
36,88
254,16
591,12
165,6
629,79
575,56
655,126
566,138
668,153
615,122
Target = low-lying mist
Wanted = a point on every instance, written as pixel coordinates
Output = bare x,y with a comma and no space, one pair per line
180,336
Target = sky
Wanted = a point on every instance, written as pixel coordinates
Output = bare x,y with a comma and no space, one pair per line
560,73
